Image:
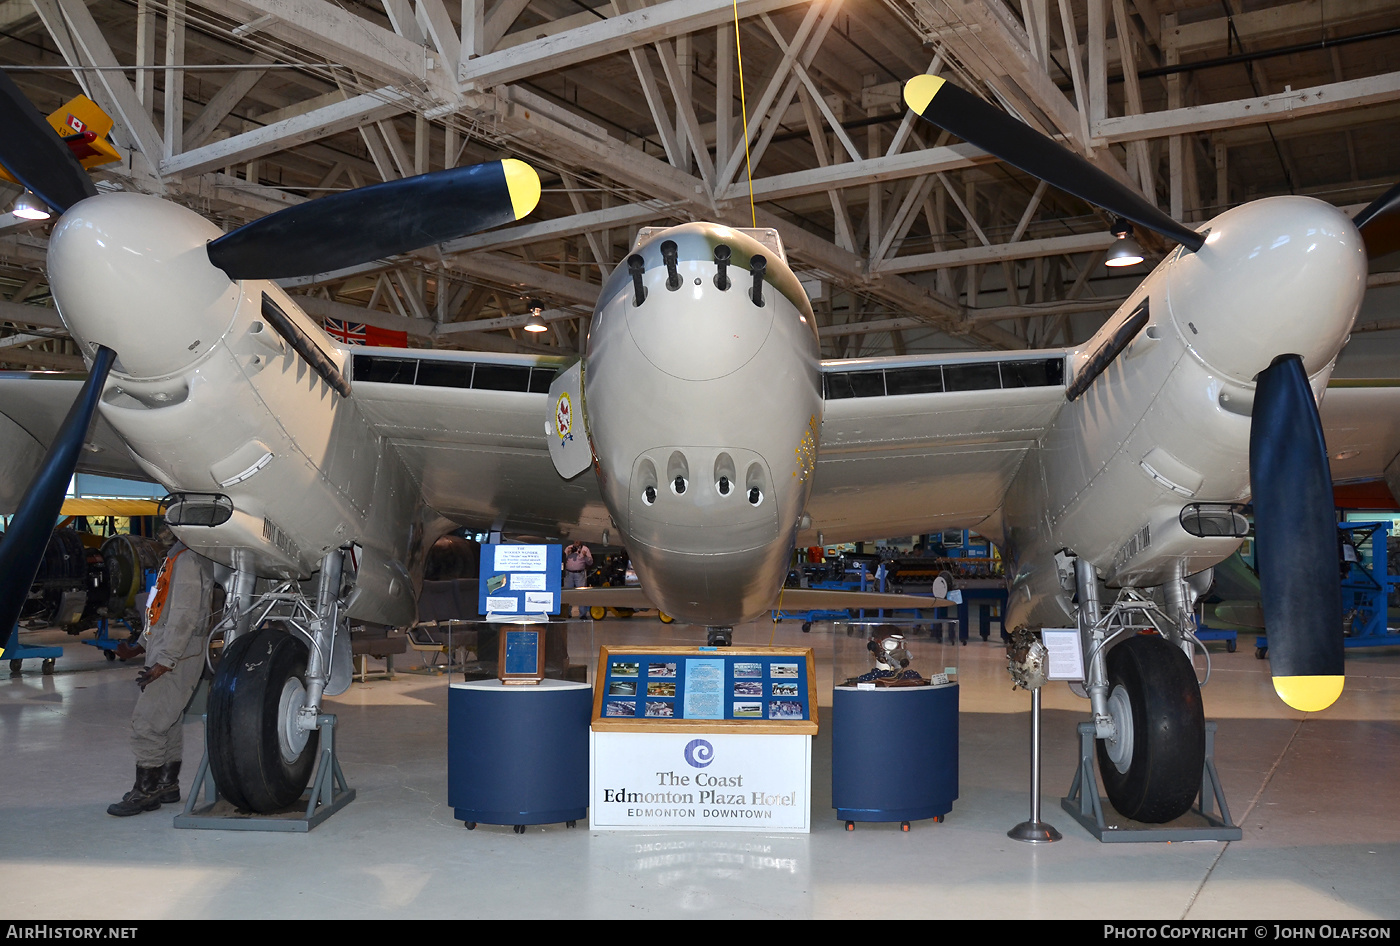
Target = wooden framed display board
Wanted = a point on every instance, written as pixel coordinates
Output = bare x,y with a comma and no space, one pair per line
521,657
715,738
706,689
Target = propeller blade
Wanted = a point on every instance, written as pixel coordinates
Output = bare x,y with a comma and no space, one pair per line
369,223
1016,143
29,532
1296,538
32,152
1379,224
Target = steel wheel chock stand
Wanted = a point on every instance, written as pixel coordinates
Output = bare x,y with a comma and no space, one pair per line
327,794
1201,823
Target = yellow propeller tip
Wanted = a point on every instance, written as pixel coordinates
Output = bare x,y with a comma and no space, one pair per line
523,184
920,90
1309,694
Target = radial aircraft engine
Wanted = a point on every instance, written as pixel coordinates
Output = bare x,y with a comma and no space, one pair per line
228,395
1199,395
703,402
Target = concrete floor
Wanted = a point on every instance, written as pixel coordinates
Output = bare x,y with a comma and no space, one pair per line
1315,794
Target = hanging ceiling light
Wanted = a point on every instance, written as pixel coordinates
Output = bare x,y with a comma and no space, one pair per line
29,207
1125,250
536,320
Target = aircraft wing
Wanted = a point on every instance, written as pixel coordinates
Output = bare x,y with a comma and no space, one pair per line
32,406
1361,421
913,444
471,427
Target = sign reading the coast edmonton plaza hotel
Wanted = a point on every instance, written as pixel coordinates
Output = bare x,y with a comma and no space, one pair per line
719,781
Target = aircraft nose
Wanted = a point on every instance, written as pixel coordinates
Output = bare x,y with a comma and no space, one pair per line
1278,276
131,272
693,325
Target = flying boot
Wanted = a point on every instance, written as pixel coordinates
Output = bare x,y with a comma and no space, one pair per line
142,797
168,783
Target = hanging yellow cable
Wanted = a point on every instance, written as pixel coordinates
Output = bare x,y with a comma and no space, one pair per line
744,108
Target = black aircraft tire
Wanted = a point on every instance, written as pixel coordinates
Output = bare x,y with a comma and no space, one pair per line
244,751
1168,729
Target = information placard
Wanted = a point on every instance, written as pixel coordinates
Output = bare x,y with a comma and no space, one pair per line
518,580
1066,661
769,689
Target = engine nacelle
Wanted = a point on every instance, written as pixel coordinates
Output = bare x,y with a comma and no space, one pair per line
1167,423
212,400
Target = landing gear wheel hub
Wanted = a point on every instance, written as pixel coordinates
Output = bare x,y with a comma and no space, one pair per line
291,738
1120,747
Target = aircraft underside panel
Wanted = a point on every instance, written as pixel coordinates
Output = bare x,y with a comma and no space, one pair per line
906,464
32,405
482,456
1359,418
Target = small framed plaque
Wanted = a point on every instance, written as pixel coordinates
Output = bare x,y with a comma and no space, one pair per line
521,658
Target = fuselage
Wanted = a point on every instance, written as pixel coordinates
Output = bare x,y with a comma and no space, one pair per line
703,404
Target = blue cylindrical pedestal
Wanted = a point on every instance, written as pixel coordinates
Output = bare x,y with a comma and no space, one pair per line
894,753
518,755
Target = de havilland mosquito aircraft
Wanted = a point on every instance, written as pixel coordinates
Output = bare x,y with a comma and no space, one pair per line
1113,474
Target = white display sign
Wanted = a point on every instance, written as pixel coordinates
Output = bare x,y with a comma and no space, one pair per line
494,604
521,558
529,581
539,601
715,781
1066,660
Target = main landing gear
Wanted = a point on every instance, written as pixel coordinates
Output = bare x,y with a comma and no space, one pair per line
1151,769
264,704
1148,716
260,758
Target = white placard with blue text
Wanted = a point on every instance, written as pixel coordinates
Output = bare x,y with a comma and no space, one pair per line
706,781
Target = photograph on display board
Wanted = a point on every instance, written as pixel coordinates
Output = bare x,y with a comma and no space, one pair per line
748,688
784,689
661,670
784,709
782,670
660,708
748,710
621,669
622,688
620,708
750,671
661,689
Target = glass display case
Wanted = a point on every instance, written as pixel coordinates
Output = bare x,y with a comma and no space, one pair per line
894,688
883,653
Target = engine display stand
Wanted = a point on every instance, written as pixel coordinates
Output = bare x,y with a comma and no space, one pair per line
1099,819
327,794
870,781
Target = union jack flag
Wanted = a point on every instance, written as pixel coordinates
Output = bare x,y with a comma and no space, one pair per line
351,333
358,333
